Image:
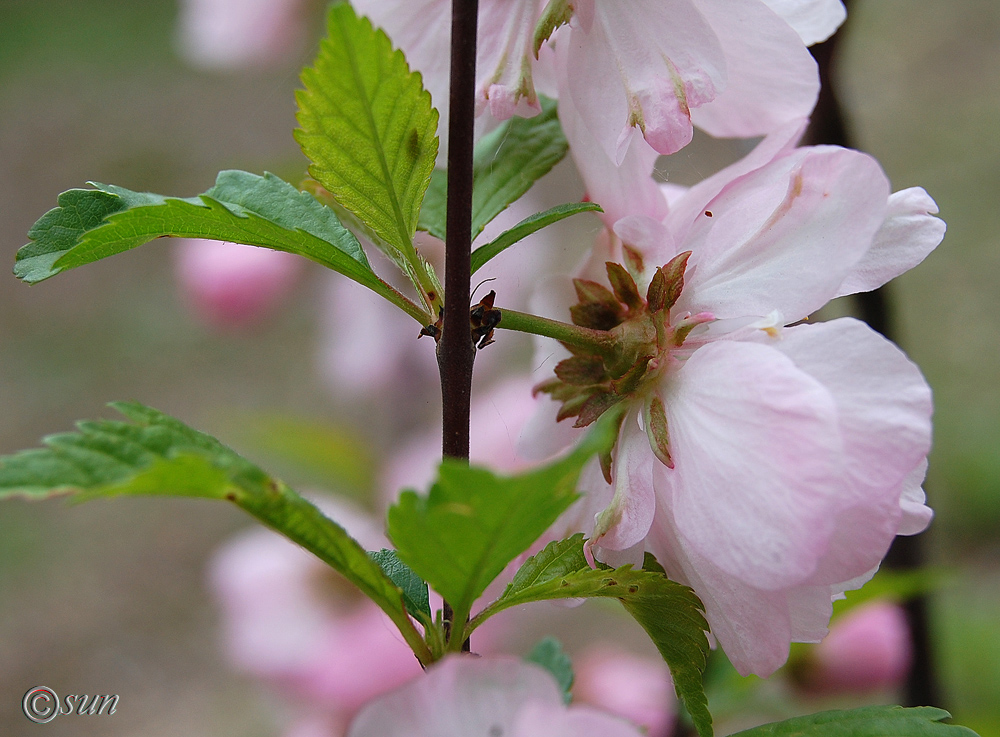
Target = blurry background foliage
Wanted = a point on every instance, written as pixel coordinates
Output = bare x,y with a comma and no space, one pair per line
108,597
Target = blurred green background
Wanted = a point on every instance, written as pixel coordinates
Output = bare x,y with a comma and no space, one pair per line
110,596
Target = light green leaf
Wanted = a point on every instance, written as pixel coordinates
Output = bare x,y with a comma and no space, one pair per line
507,162
526,227
370,131
413,587
473,522
549,654
869,721
671,614
157,454
91,224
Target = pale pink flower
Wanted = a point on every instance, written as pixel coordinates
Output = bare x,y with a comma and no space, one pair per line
868,649
291,621
230,34
634,687
632,68
230,284
466,696
768,467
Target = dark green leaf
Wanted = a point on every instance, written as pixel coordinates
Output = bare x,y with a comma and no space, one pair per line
670,613
473,522
525,228
549,654
91,224
511,159
434,212
869,721
157,454
369,129
414,588
507,162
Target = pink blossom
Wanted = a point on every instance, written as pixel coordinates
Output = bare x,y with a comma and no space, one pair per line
229,34
637,688
632,68
768,467
869,648
231,284
292,622
465,696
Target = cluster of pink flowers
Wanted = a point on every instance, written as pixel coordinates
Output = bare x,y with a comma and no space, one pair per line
766,461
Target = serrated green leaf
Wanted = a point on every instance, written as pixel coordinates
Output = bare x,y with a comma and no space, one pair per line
671,614
526,227
868,721
506,163
473,522
370,130
157,454
91,224
549,654
414,588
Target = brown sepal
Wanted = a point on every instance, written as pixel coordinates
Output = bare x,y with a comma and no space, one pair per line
656,294
674,274
581,370
597,315
594,407
624,285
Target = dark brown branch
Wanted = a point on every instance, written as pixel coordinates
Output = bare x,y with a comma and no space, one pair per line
456,350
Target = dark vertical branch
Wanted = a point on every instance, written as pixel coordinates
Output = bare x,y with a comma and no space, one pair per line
828,125
456,350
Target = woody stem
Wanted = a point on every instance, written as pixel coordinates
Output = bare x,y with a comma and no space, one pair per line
456,351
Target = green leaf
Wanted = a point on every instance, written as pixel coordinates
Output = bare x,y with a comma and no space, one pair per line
370,130
507,162
869,721
671,614
91,224
157,454
549,654
473,522
434,212
525,228
414,588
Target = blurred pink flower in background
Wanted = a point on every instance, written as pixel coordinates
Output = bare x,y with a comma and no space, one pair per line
465,696
631,686
231,34
292,622
868,649
232,285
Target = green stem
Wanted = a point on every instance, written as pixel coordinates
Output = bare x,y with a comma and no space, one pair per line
597,341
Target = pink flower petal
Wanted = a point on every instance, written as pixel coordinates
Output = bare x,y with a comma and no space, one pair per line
813,20
772,76
756,448
884,410
785,236
908,234
463,696
640,69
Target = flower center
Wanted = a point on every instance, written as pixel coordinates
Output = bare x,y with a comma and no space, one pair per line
646,340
